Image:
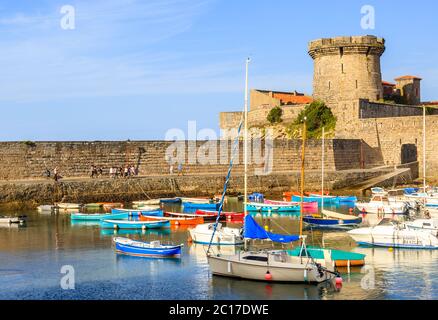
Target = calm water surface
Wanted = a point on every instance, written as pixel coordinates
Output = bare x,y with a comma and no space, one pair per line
31,258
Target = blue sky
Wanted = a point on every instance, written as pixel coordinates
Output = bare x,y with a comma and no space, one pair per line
134,69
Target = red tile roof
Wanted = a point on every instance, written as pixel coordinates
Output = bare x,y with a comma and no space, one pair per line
290,98
430,103
407,78
386,83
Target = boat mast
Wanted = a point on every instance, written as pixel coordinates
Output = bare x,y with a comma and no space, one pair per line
424,148
245,148
302,175
322,171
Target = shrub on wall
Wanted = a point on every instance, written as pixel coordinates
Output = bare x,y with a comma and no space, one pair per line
274,116
318,115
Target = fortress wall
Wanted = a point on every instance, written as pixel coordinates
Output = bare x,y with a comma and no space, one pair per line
369,109
398,139
20,160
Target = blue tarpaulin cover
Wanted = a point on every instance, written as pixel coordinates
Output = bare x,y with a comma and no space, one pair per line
254,231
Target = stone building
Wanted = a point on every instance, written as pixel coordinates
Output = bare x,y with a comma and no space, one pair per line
386,117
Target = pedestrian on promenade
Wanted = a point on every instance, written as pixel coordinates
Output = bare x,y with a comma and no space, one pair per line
180,169
56,175
126,172
93,171
100,171
171,169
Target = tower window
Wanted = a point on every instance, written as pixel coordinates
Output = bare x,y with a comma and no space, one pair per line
329,85
356,84
342,67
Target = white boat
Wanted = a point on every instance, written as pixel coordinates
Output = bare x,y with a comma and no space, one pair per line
382,205
10,220
379,191
423,224
272,265
45,208
67,206
196,200
388,233
148,207
428,199
202,233
139,203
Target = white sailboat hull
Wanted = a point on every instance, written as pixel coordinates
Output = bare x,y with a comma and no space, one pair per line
202,234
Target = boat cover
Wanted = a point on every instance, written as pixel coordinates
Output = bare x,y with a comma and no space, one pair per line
254,231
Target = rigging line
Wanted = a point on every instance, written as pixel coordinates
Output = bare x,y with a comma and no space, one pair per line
233,153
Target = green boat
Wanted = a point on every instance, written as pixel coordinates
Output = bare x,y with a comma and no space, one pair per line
93,205
341,258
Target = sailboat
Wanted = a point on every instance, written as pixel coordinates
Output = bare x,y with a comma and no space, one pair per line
330,219
269,265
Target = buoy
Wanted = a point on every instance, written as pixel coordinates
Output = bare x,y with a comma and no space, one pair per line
266,228
350,210
268,276
338,280
390,249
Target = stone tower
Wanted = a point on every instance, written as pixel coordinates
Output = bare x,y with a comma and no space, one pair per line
345,70
409,88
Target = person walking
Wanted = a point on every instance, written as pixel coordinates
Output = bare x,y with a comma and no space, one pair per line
171,169
180,169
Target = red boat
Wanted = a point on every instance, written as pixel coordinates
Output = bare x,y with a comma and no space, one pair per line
228,215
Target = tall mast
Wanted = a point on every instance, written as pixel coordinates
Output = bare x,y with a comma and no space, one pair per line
424,148
322,171
245,149
302,175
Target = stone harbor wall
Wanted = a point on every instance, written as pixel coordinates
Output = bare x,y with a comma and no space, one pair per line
28,160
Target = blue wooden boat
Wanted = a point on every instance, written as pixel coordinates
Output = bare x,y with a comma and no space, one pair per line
129,224
332,220
205,206
98,216
146,249
346,198
170,200
138,212
329,199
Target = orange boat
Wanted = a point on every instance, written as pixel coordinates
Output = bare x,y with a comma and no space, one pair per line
176,221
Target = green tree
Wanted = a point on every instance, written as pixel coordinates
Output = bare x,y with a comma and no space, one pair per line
317,115
274,116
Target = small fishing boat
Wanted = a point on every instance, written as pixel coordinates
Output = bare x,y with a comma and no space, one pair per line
228,215
341,258
67,206
388,233
46,208
170,200
146,249
137,213
263,207
148,207
93,205
175,220
332,220
209,215
256,197
196,200
98,216
206,206
306,205
327,200
378,191
223,235
138,203
128,224
10,220
382,205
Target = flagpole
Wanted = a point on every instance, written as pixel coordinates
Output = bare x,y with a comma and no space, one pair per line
322,171
424,148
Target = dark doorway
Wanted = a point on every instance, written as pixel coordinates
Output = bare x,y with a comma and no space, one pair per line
408,153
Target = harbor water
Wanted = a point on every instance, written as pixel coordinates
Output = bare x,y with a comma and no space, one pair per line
35,258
